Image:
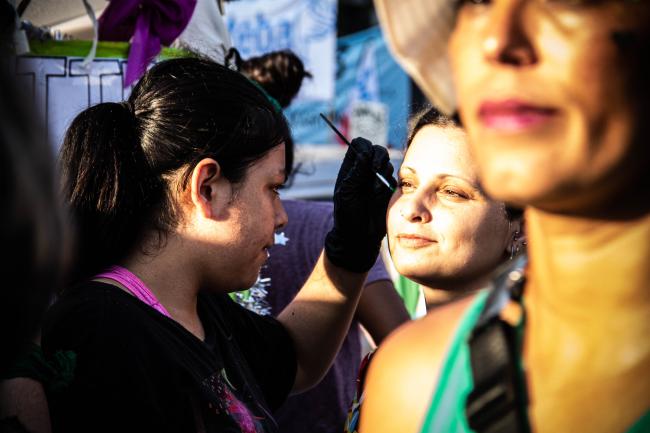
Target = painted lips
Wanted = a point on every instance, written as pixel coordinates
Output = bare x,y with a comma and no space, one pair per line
513,115
414,241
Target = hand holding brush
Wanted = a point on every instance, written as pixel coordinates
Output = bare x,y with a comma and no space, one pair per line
360,205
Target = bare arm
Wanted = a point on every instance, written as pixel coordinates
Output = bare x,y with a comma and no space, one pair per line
400,382
24,399
320,315
319,318
381,310
403,375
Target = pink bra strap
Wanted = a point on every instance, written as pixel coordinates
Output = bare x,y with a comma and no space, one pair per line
134,285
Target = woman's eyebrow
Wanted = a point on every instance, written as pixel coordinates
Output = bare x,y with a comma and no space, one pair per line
406,167
473,184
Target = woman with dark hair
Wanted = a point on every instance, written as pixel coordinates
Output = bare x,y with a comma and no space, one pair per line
280,73
443,232
555,99
175,192
322,409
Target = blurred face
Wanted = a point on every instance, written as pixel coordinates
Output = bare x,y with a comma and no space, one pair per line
442,230
549,96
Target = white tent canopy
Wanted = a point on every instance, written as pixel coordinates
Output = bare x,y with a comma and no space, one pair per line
52,12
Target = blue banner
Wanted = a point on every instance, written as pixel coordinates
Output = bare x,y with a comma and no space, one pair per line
372,96
307,27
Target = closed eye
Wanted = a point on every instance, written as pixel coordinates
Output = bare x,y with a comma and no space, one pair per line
450,192
461,3
405,185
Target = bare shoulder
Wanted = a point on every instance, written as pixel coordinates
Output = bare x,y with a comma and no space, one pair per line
404,372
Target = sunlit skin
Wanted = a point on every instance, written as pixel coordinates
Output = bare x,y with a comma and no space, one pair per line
220,245
438,198
556,111
225,231
243,226
545,101
443,232
548,106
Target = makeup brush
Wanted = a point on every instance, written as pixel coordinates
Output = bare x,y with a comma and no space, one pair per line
345,140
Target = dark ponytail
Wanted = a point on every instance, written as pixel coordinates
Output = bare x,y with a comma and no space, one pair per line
105,183
118,160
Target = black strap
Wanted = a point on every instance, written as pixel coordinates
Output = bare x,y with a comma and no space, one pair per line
497,403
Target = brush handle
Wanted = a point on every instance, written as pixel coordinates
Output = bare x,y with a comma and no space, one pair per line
345,140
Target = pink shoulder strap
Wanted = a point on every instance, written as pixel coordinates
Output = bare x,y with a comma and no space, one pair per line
134,285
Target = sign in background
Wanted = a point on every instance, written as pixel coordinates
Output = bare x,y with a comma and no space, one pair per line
371,99
61,88
373,92
307,27
372,96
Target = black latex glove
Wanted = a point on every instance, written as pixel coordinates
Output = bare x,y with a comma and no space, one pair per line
360,204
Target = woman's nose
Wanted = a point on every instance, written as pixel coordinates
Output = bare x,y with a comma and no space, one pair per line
281,217
506,39
414,209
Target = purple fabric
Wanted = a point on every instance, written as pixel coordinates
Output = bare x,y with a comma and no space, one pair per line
150,22
135,285
322,409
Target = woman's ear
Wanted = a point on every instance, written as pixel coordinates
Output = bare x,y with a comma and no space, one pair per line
206,177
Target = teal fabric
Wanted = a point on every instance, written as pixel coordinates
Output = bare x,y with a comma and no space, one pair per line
642,425
409,291
447,410
54,373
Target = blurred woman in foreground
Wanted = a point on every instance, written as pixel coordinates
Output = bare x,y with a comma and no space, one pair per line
555,101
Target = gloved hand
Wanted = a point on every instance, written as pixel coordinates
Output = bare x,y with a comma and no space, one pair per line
360,204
